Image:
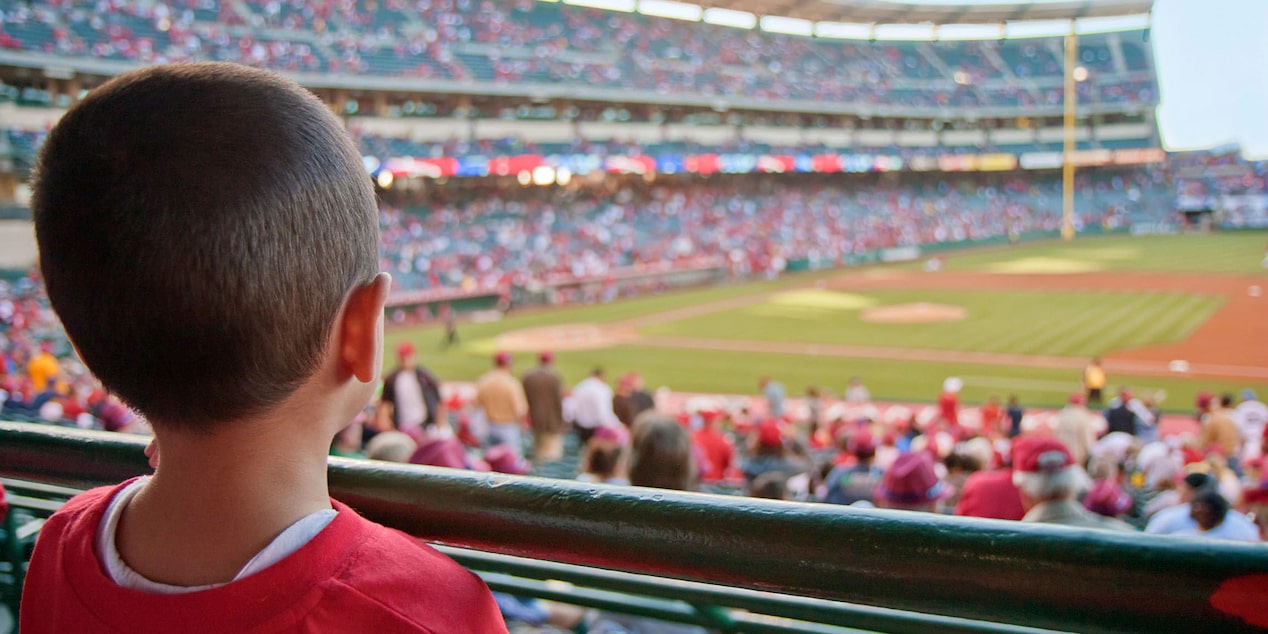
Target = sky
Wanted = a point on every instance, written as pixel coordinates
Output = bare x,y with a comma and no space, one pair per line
1212,58
1212,61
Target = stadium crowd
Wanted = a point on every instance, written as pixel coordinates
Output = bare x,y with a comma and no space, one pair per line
465,238
525,41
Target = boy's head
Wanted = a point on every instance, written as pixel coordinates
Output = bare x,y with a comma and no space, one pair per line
200,226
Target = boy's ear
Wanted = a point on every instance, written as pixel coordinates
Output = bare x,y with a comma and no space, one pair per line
361,332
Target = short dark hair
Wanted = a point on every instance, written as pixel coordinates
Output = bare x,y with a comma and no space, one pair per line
200,226
1226,399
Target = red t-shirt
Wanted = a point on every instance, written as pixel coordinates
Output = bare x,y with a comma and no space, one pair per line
991,494
717,450
949,408
353,576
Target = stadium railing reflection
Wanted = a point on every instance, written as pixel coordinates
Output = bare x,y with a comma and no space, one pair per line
743,565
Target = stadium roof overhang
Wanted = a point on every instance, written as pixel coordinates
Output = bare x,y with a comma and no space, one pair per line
905,11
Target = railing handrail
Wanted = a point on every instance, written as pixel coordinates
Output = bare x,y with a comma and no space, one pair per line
1037,575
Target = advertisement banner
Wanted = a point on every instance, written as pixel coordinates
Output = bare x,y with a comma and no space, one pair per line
997,162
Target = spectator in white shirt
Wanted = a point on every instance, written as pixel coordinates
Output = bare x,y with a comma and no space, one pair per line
592,405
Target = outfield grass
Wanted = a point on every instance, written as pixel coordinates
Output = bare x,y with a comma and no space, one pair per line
1236,252
736,372
1053,323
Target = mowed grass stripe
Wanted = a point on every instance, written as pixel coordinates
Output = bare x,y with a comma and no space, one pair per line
1167,325
1121,323
1029,340
1024,332
1072,337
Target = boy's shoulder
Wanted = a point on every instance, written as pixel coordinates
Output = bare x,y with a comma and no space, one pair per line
354,574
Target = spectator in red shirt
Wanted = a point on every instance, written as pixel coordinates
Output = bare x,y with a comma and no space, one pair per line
718,450
228,220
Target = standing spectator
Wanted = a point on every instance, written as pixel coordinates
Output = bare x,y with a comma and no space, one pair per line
1219,432
949,403
592,405
775,394
643,401
1120,417
623,401
1015,414
504,404
411,396
856,393
1049,480
450,317
544,392
43,369
1251,417
992,416
1094,381
1074,428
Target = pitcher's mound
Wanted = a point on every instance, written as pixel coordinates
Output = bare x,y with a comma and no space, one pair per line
564,337
916,313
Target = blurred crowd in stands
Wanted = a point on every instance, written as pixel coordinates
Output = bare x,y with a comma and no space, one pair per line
751,226
1115,465
507,41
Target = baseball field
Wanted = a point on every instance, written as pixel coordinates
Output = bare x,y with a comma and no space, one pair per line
1177,314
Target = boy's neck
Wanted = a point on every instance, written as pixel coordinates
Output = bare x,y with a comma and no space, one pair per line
216,500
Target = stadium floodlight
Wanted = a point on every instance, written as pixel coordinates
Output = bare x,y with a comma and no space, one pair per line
843,30
730,17
1110,24
670,9
543,175
624,6
1037,28
788,26
904,32
952,32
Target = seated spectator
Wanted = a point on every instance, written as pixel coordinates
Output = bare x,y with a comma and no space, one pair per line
391,446
1049,480
606,456
850,483
715,447
1209,510
771,485
660,454
1106,495
1179,520
911,484
768,452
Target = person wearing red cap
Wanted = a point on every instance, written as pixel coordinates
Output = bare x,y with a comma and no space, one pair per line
768,453
502,398
911,484
850,483
1049,480
1074,428
544,391
411,396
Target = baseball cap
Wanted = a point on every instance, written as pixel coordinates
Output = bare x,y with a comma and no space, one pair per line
912,480
502,358
1076,399
405,348
502,459
546,356
1204,399
768,434
1033,454
1249,395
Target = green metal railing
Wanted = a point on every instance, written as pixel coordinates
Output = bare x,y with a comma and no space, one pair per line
907,571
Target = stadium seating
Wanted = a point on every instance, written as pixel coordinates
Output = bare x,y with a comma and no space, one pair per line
522,41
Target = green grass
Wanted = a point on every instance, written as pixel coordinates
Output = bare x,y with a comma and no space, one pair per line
1235,252
1009,325
1052,323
